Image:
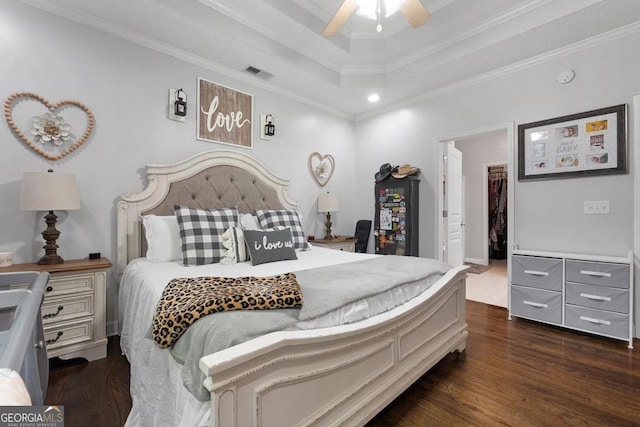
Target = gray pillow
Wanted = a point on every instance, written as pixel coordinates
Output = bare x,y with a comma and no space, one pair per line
270,246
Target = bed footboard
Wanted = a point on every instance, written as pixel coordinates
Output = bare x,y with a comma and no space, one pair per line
341,375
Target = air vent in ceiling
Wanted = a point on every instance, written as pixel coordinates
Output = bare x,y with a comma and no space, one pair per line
264,75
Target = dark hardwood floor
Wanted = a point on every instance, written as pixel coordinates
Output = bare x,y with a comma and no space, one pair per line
92,393
516,373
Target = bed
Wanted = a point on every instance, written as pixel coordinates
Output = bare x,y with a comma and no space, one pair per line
323,371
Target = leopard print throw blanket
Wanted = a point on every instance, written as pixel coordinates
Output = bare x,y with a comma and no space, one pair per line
186,300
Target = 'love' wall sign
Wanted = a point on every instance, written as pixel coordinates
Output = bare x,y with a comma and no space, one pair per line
224,115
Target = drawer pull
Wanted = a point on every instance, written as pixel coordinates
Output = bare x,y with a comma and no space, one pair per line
49,288
595,273
536,273
56,338
595,297
50,315
598,321
535,304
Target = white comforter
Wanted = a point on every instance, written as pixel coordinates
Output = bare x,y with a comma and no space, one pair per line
159,396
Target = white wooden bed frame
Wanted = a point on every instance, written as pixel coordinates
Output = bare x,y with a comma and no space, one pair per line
332,376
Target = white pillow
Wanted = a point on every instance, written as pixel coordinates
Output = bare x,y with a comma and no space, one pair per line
163,238
235,249
249,222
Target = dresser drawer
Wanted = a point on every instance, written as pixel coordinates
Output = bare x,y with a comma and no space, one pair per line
598,273
599,297
598,321
71,283
537,272
61,309
63,334
536,304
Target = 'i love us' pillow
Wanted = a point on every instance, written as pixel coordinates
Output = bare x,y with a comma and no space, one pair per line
270,246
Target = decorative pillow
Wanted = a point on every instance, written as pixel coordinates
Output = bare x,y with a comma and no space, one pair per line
249,222
270,246
234,245
201,233
163,238
286,218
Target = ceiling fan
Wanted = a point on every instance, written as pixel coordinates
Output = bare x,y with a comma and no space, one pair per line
413,11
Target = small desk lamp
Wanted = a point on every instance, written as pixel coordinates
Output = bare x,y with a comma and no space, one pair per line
48,191
328,203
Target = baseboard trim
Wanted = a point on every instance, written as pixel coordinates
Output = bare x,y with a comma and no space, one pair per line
112,328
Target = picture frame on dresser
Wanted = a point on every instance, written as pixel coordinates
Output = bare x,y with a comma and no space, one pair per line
585,144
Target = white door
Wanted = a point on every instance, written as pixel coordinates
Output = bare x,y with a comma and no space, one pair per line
453,207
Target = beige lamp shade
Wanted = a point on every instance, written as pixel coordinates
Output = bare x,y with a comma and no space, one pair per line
49,191
328,202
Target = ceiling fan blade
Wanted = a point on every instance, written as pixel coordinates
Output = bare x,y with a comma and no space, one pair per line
341,16
415,12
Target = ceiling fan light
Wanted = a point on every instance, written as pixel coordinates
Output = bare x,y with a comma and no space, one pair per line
392,6
368,9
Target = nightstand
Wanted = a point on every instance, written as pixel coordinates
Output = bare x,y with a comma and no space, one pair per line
347,244
74,307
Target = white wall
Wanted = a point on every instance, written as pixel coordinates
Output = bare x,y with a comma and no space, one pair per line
548,214
126,86
489,148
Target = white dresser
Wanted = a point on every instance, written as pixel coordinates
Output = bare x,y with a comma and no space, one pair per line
589,293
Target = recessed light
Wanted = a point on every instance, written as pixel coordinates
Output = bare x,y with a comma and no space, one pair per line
374,97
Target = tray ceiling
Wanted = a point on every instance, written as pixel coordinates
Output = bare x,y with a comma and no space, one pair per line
465,40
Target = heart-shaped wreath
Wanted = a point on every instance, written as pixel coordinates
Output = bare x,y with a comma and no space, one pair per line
321,167
49,127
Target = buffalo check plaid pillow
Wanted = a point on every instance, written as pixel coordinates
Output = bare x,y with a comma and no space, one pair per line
285,218
201,233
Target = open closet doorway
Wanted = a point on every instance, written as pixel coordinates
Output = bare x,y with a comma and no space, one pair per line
481,150
495,209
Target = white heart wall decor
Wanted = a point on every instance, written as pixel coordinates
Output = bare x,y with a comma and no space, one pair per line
321,167
8,107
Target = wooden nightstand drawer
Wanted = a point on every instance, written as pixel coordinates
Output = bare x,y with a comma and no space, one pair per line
61,309
63,334
69,283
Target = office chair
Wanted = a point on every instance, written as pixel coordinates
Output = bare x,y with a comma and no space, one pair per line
363,227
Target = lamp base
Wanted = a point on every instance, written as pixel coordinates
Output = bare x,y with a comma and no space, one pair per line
50,235
50,259
327,224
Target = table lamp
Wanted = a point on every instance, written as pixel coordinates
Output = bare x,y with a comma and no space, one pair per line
328,203
49,191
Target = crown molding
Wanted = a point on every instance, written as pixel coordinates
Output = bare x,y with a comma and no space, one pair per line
106,27
267,31
577,47
468,34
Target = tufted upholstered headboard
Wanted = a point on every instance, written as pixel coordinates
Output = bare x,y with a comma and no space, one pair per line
212,179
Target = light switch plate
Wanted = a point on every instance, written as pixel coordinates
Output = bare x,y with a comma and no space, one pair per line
596,207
